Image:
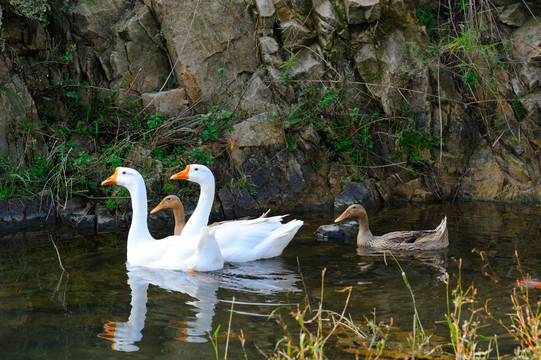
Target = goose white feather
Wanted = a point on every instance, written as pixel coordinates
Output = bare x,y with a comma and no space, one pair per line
242,240
197,251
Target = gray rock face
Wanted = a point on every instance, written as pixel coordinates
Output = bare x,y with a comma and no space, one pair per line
202,38
29,212
364,194
79,214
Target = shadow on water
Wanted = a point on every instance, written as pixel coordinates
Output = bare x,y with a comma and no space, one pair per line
98,304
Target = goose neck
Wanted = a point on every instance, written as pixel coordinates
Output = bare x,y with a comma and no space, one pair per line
139,229
201,214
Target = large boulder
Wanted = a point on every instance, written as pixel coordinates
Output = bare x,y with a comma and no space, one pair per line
19,115
204,37
526,42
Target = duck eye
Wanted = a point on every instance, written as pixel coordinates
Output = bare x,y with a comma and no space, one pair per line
123,173
196,169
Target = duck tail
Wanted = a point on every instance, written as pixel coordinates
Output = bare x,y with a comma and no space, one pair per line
442,225
441,231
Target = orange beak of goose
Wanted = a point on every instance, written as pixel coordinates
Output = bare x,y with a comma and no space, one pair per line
344,216
183,175
111,180
159,207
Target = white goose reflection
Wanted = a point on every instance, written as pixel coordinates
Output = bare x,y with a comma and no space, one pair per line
262,277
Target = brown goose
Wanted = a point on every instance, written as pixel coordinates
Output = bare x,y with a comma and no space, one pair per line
398,240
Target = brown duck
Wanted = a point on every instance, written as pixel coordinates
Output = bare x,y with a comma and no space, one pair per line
173,202
398,240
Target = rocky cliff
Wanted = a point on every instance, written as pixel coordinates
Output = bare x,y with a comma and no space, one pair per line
437,102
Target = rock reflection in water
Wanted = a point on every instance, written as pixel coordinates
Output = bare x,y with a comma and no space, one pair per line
262,277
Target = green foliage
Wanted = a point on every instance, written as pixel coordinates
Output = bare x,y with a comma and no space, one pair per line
67,56
426,17
168,156
287,65
155,120
158,39
201,157
345,130
243,183
168,188
64,171
86,132
413,141
519,109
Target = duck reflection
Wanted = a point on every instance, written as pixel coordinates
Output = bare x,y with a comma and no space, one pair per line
262,277
437,259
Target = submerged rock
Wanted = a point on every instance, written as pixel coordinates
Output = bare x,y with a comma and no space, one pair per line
345,232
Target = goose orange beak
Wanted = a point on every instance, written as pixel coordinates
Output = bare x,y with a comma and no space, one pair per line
344,216
111,180
183,175
109,331
159,207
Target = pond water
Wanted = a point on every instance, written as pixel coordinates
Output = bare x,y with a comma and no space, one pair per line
99,307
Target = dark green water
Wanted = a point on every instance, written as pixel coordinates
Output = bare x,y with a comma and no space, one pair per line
47,313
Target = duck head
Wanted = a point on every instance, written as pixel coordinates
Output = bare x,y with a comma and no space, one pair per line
194,172
354,211
169,202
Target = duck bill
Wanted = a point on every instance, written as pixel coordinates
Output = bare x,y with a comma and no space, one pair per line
111,180
342,217
183,175
157,208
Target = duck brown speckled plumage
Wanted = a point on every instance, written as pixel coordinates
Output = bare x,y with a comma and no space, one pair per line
398,240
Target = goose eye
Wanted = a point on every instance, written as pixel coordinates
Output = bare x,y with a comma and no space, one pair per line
123,173
196,169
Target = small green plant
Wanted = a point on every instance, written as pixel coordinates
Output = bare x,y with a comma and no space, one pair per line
312,333
287,65
169,157
200,157
158,39
419,339
111,203
66,58
519,109
426,17
463,320
525,320
243,183
168,188
155,120
214,341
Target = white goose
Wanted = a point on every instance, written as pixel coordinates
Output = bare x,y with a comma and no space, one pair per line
241,240
196,251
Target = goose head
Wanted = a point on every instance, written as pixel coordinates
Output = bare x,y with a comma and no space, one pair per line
123,176
196,173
